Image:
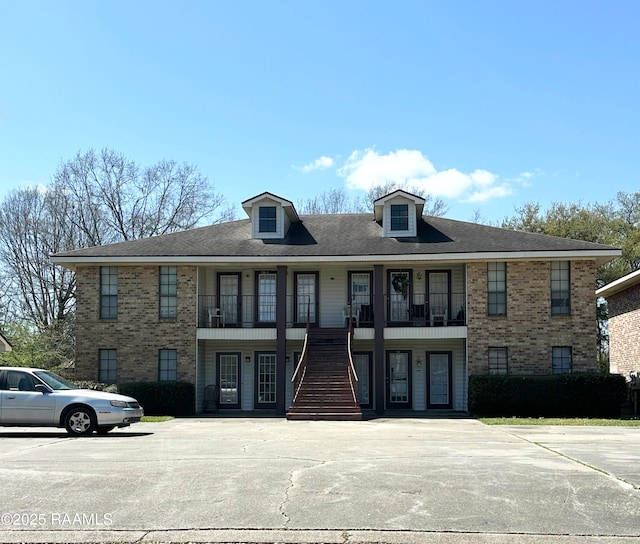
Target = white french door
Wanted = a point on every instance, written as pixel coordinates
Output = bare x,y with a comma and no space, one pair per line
229,289
266,297
398,379
439,380
229,379
306,297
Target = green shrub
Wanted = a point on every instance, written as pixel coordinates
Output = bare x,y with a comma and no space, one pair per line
162,398
96,386
563,395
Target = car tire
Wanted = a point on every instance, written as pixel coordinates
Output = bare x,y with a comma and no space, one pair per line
80,421
105,429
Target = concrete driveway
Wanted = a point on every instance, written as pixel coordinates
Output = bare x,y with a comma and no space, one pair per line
272,480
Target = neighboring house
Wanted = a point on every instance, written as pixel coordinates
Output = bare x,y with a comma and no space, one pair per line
4,344
623,301
433,300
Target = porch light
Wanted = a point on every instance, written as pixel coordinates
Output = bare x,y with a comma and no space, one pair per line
247,359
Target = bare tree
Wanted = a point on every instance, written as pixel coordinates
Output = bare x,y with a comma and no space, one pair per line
338,200
330,201
32,226
115,199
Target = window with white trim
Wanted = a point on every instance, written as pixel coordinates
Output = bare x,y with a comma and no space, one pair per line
399,217
267,219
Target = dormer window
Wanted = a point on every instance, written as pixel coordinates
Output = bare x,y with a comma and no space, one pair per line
267,219
271,216
399,213
399,217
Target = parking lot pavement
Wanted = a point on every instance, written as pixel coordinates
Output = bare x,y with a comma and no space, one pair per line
272,480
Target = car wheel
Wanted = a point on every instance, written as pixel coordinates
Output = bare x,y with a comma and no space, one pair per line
105,429
80,421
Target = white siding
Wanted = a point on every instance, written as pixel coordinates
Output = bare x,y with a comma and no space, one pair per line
282,223
386,221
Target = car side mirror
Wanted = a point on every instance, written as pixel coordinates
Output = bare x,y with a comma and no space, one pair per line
42,388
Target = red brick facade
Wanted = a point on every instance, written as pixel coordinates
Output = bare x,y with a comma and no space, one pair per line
138,333
529,331
624,331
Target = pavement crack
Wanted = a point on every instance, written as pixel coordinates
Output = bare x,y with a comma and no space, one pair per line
282,508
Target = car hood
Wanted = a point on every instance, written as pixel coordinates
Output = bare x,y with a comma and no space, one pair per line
93,394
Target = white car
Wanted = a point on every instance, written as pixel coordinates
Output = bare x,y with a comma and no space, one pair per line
31,397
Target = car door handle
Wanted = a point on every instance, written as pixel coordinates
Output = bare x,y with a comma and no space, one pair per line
11,397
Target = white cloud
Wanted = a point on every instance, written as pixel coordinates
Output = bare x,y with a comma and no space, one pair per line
368,168
319,164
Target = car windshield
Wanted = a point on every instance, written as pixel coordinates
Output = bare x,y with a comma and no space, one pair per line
54,381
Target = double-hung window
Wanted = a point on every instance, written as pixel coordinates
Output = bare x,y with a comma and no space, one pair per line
497,289
498,361
560,288
168,292
167,365
107,363
267,219
399,217
561,356
108,292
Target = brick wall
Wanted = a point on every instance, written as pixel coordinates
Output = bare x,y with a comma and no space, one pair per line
529,331
138,332
624,331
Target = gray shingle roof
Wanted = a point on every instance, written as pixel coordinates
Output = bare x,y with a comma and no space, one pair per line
338,235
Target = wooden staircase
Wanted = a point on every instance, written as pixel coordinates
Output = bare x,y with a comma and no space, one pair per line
325,391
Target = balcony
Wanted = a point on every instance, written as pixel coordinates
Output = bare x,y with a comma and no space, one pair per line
250,311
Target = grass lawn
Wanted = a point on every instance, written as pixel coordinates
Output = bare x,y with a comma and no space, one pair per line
156,419
631,422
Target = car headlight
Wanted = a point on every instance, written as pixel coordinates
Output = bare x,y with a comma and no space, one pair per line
119,403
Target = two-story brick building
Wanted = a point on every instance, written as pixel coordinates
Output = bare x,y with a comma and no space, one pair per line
432,301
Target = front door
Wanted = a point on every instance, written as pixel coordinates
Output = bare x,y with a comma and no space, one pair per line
229,291
266,302
399,296
439,307
228,372
362,364
360,296
265,380
439,380
398,379
306,297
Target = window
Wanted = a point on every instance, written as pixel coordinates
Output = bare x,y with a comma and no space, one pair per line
267,219
400,217
497,289
168,365
168,292
560,288
498,361
108,292
561,360
107,359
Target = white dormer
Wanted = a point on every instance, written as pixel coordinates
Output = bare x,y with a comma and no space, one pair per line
399,213
271,216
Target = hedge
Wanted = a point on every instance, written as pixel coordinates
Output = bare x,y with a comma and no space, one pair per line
562,395
162,398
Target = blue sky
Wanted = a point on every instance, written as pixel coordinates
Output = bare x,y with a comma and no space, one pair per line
486,104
